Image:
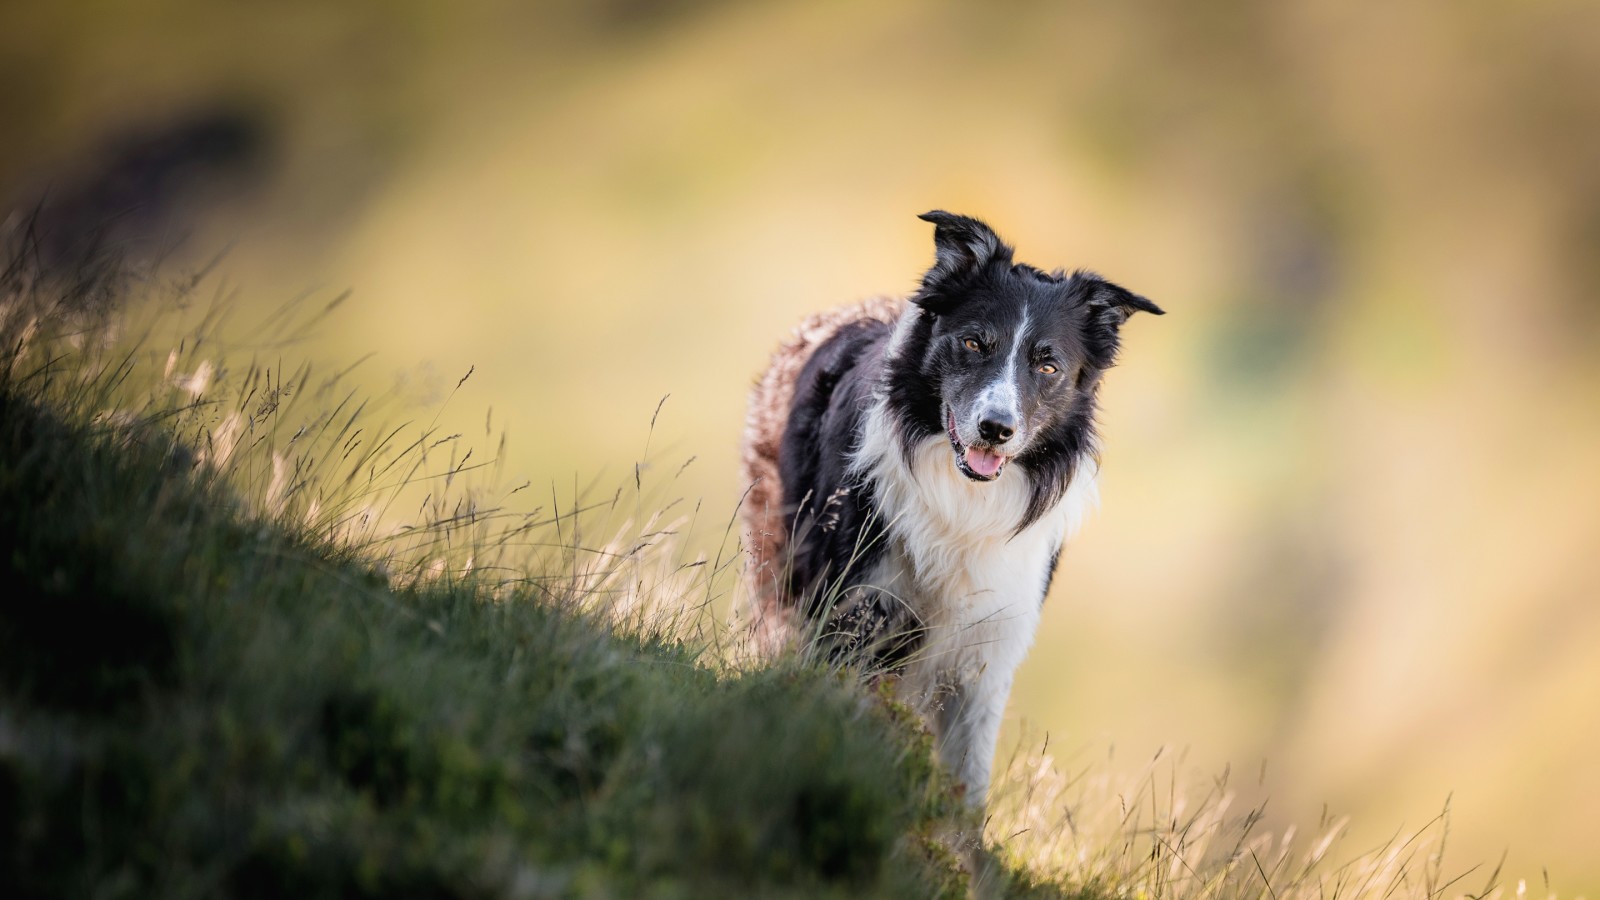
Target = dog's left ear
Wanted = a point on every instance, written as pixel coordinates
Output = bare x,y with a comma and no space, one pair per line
962,246
1112,304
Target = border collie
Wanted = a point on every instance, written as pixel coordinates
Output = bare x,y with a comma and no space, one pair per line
917,466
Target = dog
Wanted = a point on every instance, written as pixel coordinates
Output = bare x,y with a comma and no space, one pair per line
915,467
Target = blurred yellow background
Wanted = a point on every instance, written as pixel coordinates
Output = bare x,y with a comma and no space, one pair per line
1351,495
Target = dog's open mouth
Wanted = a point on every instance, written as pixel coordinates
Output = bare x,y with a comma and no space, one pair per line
977,463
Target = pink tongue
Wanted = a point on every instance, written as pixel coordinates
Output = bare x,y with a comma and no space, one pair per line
984,462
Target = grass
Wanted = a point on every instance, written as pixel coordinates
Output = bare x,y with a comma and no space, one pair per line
224,671
1161,834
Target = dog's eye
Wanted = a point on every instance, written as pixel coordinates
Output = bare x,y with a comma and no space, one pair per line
1047,369
972,345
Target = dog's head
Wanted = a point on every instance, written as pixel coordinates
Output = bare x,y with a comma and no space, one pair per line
1011,355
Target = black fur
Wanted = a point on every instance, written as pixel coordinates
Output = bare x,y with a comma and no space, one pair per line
835,532
832,519
1050,575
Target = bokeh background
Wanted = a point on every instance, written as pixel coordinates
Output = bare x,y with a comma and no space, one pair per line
1350,536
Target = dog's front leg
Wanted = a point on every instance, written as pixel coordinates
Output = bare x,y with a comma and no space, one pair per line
967,722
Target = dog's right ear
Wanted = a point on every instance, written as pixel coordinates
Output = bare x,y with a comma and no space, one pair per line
962,246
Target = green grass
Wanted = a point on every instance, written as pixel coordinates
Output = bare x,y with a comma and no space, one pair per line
202,704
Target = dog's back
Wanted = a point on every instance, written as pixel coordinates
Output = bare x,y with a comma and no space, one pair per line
770,607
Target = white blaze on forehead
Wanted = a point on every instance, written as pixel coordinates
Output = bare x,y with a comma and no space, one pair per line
1002,393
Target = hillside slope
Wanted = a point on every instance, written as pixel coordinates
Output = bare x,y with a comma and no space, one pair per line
198,702
224,672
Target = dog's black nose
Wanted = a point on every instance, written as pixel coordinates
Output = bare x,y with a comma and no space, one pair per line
997,428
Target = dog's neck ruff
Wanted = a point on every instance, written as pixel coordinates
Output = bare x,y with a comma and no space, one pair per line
952,529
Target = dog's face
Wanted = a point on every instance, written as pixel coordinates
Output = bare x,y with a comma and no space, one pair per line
1014,354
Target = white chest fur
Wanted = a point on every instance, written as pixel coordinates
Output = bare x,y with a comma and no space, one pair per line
952,553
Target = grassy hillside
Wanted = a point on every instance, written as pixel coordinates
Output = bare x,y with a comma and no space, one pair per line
204,694
223,673
202,704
